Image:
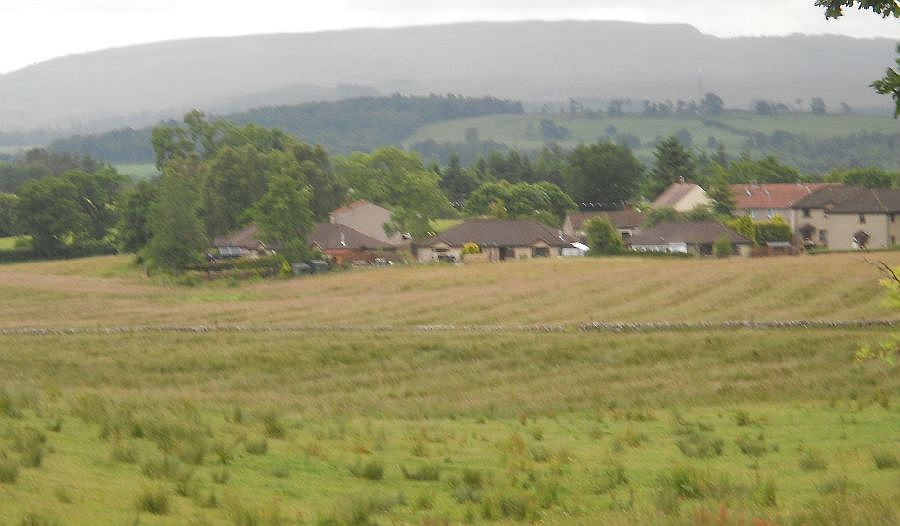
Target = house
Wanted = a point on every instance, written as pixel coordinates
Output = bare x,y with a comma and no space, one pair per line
763,202
842,217
365,217
242,243
498,239
347,245
693,237
627,222
683,197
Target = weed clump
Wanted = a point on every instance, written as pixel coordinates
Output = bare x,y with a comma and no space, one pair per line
153,500
695,444
273,426
9,469
257,446
812,460
33,519
426,472
885,459
371,470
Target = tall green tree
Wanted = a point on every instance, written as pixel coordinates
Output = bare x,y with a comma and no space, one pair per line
543,201
602,237
284,216
672,163
179,237
327,193
49,211
8,203
603,173
134,225
871,177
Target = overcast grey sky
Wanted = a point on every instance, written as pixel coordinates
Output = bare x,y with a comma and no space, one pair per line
37,30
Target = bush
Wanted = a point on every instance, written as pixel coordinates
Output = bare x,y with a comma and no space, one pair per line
371,470
602,237
812,461
274,427
9,470
153,500
698,445
885,459
752,446
685,482
426,472
722,247
257,446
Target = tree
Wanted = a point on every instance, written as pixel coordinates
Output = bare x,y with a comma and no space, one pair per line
870,177
49,211
673,163
890,84
327,192
722,247
179,238
603,173
284,216
134,226
766,170
712,104
398,180
543,201
98,197
457,183
8,203
723,199
602,237
817,106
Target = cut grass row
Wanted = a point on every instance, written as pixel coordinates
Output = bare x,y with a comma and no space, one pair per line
111,291
448,428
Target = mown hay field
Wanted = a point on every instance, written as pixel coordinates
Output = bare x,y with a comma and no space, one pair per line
404,426
111,291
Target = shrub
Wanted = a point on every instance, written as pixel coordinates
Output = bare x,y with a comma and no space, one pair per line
722,247
153,500
812,460
752,446
885,459
685,481
257,446
698,445
426,472
9,470
274,427
371,470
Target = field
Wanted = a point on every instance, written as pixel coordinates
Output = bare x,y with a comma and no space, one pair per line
513,130
137,171
329,422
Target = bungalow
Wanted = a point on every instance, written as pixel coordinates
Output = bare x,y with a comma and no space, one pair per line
242,243
842,217
498,239
694,237
682,196
365,217
627,222
346,245
765,201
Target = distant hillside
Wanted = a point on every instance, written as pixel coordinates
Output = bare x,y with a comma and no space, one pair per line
360,124
522,60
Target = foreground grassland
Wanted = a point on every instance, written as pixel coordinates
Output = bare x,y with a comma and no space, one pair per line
397,425
411,428
519,130
111,291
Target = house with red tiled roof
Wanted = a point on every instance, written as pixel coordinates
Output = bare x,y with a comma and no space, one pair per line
683,197
763,202
365,217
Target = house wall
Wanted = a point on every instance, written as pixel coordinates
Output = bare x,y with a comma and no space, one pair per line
368,219
840,228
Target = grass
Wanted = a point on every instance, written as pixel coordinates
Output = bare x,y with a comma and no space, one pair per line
9,243
513,130
426,427
137,170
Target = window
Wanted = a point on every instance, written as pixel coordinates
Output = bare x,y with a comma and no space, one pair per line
893,240
823,238
806,213
862,219
540,252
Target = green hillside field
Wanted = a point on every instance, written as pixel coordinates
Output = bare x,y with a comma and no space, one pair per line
310,414
519,131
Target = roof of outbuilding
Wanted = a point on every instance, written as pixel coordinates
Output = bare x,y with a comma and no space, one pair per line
328,236
244,238
840,199
692,232
619,218
500,232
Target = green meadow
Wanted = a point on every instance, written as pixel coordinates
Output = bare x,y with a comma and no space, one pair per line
400,424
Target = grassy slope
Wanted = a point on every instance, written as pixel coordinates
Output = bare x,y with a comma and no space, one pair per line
543,418
110,291
513,129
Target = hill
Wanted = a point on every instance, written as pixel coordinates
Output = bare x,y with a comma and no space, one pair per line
521,60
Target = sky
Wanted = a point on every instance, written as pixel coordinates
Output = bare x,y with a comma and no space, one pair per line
32,31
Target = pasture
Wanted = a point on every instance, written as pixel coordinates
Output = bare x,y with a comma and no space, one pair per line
333,423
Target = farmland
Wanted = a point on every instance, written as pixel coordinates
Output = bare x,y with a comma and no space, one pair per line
397,424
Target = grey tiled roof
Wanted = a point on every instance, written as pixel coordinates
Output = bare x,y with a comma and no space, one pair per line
500,232
841,199
692,232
